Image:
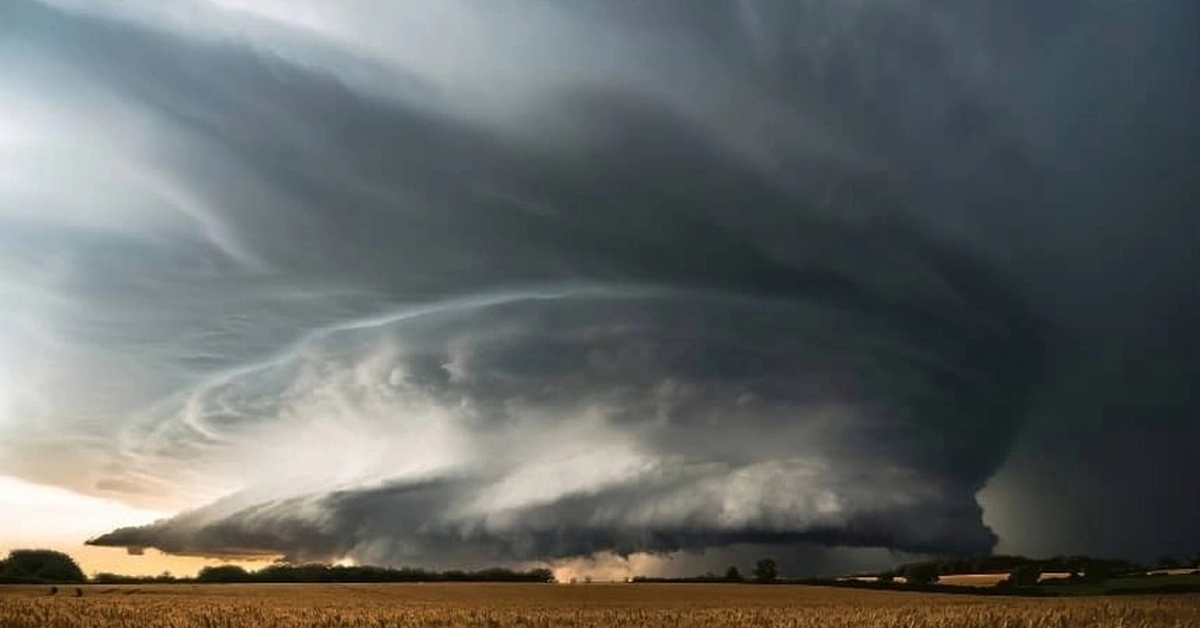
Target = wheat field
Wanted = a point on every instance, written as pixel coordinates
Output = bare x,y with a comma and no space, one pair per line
576,606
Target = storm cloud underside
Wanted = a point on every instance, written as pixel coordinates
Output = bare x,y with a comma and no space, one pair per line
565,278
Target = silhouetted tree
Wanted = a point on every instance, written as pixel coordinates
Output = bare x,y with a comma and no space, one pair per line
886,577
765,571
223,573
112,578
921,573
1073,565
283,572
36,566
538,575
733,575
1097,571
1026,575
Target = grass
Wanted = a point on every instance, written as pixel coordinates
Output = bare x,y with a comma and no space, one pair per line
547,606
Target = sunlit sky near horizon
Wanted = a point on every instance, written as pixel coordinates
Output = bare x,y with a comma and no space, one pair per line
54,518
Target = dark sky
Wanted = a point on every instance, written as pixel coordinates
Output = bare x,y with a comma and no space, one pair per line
478,282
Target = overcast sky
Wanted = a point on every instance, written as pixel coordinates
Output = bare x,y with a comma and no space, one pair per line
478,282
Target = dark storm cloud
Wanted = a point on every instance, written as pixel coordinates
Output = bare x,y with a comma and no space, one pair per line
643,422
722,273
395,525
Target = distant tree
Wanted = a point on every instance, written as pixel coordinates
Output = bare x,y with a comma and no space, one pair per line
1168,562
1026,575
981,565
285,572
38,566
732,574
1074,565
112,578
921,573
886,577
765,571
541,575
1097,571
956,566
223,573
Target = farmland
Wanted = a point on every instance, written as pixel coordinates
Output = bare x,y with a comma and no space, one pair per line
596,606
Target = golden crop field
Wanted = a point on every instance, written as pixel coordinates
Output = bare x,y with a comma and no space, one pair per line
577,606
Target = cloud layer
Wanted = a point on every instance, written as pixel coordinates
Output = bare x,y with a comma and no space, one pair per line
523,280
625,422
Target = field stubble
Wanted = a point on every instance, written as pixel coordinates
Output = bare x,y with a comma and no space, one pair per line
577,606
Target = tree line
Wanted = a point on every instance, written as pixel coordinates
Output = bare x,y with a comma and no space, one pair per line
1025,571
282,573
1021,571
37,566
765,571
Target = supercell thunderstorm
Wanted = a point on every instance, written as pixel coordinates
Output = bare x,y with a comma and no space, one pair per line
621,278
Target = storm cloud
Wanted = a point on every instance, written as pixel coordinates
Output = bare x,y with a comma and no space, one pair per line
522,280
627,422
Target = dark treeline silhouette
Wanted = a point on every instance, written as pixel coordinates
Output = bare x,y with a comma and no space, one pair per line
279,573
112,578
1059,575
765,571
35,566
1025,575
284,573
1077,566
